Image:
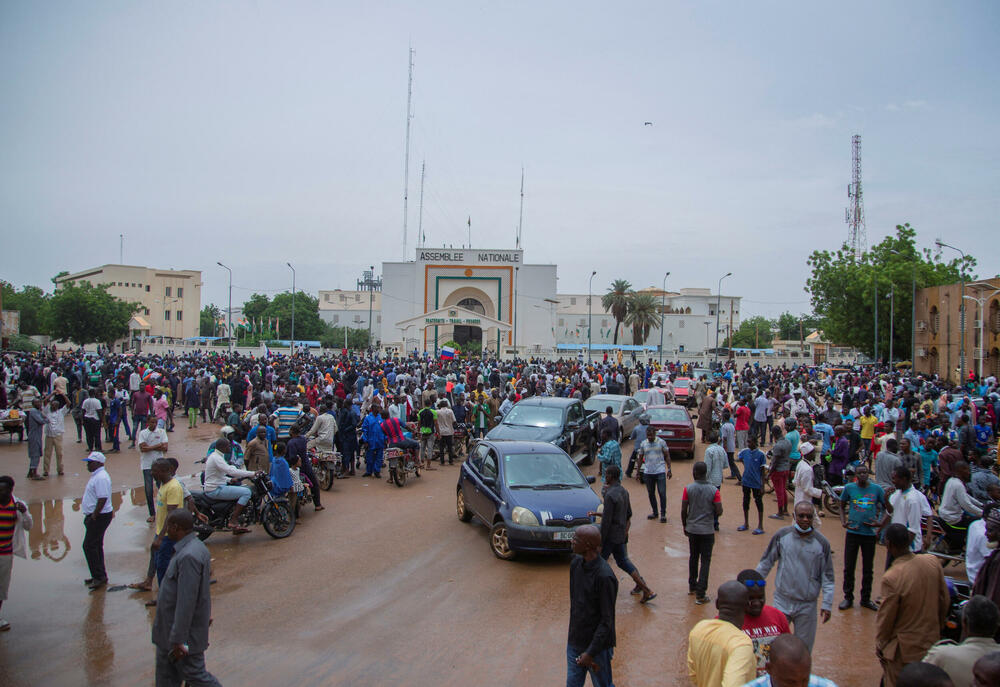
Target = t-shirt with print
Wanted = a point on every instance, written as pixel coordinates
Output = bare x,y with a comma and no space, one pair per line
865,506
169,494
762,630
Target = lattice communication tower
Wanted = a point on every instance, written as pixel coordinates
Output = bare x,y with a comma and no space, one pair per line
854,215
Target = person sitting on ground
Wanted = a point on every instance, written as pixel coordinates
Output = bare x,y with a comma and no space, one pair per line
789,664
980,621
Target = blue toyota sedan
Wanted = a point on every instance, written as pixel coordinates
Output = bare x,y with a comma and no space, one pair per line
530,494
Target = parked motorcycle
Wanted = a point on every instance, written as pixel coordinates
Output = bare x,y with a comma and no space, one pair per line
401,462
275,514
831,497
960,592
327,467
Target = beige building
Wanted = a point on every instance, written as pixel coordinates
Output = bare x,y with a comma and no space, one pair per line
350,309
170,299
939,326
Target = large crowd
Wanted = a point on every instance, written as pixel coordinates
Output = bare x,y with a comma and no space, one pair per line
905,460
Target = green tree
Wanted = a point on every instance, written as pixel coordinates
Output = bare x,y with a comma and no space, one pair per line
308,324
643,315
843,290
333,337
32,303
256,306
616,302
85,314
208,324
752,333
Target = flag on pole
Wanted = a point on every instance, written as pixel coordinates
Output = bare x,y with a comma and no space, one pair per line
447,353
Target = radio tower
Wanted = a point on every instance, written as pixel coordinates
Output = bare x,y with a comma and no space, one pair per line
855,214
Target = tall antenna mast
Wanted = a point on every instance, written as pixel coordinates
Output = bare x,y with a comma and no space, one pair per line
420,218
520,216
406,162
855,214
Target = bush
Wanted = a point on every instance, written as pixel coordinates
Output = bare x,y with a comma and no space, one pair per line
19,342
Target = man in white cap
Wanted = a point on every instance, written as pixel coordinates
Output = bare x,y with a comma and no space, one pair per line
97,515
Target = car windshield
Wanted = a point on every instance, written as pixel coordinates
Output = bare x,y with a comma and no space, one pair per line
682,384
601,404
534,416
667,415
541,471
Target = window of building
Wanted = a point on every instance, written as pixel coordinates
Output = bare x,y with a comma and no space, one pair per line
562,322
180,292
326,298
583,322
935,320
179,316
147,288
357,298
166,315
166,291
145,311
119,283
572,301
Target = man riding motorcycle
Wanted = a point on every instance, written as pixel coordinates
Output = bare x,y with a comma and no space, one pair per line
216,486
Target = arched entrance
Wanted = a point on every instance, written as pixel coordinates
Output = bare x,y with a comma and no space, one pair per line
934,361
468,336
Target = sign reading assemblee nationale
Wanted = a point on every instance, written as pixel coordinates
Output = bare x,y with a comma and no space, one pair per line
469,256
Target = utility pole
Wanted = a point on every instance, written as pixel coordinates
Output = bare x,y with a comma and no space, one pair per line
520,214
406,155
229,311
892,314
590,315
515,310
293,305
121,249
663,308
718,304
875,353
369,283
730,329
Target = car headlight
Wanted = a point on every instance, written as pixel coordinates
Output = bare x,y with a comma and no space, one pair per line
523,516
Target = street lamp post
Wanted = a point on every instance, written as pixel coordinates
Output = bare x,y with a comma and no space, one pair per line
913,313
663,307
892,311
293,305
371,298
229,310
718,304
590,315
981,302
961,313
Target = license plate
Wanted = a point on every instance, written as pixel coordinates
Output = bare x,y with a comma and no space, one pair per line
563,536
667,433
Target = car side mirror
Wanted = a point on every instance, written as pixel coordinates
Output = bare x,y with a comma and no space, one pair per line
497,418
591,479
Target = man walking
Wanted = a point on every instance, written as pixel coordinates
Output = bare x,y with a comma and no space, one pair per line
615,522
805,569
153,445
701,505
35,423
593,589
183,609
97,515
446,430
863,507
915,603
427,423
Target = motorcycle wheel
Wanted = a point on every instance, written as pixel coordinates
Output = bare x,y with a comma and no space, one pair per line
324,475
398,476
831,504
278,519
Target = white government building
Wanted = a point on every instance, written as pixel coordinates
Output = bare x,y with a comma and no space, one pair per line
491,296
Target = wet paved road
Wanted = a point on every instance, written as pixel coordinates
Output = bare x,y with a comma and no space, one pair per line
385,587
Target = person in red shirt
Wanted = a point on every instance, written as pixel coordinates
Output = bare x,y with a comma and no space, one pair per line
762,623
742,424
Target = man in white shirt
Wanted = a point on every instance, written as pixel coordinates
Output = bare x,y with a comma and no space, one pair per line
152,446
55,427
97,515
320,435
907,507
957,508
977,546
217,474
134,381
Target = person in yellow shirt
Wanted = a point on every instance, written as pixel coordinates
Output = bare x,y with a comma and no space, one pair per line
868,422
169,496
720,654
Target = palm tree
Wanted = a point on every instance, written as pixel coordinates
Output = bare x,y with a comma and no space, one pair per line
643,316
615,301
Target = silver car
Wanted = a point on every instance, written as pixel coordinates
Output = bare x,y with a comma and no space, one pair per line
625,409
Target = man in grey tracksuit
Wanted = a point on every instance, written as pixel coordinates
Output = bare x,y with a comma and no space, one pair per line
805,568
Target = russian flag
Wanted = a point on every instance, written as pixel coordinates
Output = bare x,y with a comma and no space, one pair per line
447,353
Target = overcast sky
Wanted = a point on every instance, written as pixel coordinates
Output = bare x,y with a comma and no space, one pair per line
263,132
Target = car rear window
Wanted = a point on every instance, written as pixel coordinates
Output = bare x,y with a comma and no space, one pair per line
667,415
682,384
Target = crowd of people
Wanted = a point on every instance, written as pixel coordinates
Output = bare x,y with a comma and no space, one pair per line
910,459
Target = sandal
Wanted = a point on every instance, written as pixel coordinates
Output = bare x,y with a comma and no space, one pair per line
150,604
758,531
649,597
319,508
742,528
140,587
240,530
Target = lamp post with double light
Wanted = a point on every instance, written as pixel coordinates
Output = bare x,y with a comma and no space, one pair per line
663,307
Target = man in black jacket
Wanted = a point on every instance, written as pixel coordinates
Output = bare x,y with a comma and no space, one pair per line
615,522
593,589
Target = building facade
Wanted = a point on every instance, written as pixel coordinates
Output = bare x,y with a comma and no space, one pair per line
170,300
940,324
491,298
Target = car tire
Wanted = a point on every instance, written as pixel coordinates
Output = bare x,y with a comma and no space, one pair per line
464,514
500,542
